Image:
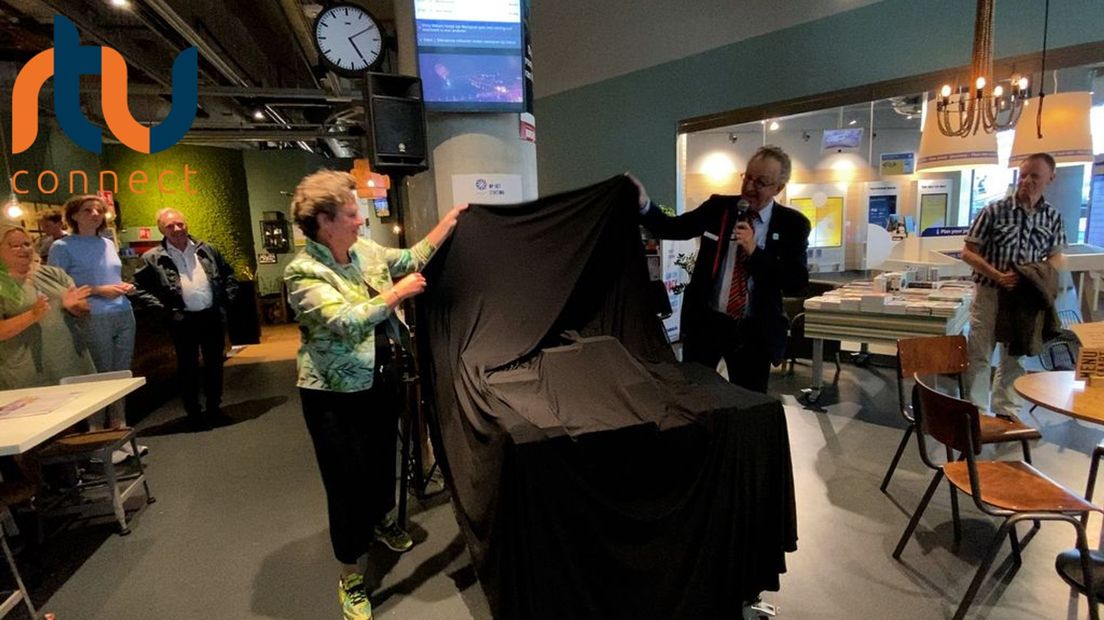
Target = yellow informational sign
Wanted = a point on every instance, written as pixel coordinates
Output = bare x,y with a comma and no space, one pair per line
933,211
826,220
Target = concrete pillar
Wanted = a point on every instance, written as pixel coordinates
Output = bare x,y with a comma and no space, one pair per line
458,143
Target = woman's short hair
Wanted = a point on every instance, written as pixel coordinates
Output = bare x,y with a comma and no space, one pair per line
322,192
7,229
74,204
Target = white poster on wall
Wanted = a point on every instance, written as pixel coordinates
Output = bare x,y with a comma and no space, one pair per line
486,189
678,263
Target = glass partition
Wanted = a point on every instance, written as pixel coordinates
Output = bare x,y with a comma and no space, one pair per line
854,165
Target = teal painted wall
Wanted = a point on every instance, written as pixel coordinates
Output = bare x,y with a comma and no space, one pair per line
269,173
629,122
53,150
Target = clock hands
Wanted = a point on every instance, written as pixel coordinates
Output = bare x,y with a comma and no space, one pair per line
353,43
357,49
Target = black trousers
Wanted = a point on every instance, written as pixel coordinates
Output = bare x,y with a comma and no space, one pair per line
354,437
741,343
194,333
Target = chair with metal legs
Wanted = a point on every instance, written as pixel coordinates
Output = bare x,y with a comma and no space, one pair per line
946,355
100,445
1012,490
14,490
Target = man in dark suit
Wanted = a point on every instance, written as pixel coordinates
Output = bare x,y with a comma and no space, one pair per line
752,251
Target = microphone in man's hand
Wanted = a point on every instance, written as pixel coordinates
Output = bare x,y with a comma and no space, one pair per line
742,210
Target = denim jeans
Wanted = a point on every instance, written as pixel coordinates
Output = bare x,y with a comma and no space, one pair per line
110,340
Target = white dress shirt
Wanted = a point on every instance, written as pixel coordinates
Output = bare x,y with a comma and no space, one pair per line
724,283
194,285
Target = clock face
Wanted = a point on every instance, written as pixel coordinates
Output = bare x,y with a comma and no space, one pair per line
348,38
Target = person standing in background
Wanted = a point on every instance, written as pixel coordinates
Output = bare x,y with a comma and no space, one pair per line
190,280
1019,230
52,230
40,341
92,260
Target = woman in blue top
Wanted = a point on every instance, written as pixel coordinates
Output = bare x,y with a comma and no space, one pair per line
92,260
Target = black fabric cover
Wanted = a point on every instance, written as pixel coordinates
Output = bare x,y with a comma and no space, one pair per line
592,475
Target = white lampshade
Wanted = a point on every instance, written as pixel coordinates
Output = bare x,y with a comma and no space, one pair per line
1067,132
941,153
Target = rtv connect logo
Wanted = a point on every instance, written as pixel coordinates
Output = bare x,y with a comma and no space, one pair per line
66,62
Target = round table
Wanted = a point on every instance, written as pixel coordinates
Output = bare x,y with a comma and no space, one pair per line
1059,392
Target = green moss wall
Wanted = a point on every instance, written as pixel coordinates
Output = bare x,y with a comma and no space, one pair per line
217,211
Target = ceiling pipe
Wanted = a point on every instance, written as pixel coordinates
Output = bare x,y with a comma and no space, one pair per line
297,20
174,20
88,29
246,135
289,94
171,17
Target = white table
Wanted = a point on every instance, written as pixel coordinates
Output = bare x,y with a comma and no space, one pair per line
870,327
19,434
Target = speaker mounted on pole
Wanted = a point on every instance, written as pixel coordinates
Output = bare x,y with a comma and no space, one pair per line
395,124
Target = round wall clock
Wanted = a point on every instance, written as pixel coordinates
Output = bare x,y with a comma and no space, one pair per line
348,39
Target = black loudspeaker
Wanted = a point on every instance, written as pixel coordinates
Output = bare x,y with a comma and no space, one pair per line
395,124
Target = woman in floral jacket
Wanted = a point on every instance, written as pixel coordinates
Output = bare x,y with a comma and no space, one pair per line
344,295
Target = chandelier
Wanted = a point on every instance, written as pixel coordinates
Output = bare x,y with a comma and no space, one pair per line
963,111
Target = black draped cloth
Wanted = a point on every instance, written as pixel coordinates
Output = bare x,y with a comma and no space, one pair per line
591,474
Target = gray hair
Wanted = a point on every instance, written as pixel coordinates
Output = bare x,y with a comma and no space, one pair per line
163,212
777,154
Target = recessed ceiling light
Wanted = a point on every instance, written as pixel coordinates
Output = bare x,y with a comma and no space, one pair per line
258,115
120,4
774,126
853,121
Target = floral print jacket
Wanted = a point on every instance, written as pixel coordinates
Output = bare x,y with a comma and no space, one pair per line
339,307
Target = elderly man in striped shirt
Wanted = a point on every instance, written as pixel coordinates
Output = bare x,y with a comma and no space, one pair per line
1021,229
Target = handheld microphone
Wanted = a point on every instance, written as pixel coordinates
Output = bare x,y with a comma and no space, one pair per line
742,208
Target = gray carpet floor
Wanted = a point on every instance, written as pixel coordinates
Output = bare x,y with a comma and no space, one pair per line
239,526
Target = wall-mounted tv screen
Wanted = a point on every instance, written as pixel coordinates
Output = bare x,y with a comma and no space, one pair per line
471,55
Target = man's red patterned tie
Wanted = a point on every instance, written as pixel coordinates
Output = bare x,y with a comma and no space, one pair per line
737,292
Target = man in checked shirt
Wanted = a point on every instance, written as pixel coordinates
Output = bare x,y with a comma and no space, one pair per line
1023,228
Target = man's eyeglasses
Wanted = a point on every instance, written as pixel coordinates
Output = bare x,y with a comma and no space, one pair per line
757,182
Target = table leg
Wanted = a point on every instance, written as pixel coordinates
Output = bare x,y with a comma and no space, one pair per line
812,394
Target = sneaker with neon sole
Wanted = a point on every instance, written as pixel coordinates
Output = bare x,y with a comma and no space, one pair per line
354,600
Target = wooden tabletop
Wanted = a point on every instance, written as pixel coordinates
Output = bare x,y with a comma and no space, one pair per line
1058,391
76,402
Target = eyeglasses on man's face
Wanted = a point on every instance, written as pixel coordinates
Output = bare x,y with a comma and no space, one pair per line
757,182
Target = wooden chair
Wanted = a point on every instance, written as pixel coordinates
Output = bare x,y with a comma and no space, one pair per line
946,355
100,445
1013,490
